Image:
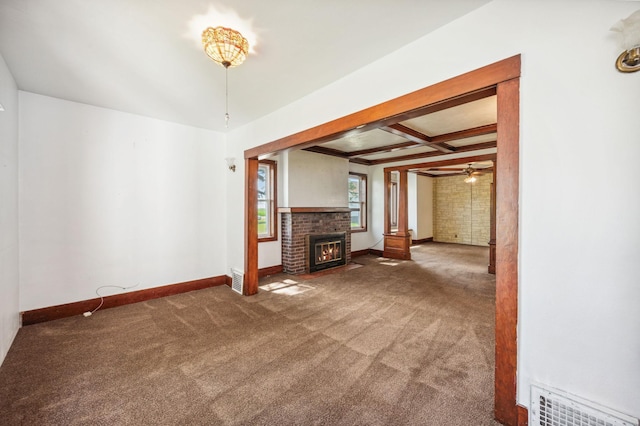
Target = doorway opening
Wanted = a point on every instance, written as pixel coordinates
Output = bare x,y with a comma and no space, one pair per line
503,78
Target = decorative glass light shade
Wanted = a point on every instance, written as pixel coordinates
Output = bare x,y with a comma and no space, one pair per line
470,179
231,163
225,46
629,28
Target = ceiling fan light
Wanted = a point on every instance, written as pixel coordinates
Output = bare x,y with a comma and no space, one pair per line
470,179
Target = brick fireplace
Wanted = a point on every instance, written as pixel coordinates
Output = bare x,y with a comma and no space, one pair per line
301,223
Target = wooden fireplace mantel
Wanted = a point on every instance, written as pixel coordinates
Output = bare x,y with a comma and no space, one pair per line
314,210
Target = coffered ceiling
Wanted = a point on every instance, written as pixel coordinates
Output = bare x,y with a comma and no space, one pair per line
460,125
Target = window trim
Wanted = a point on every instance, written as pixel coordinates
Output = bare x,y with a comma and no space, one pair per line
363,204
273,210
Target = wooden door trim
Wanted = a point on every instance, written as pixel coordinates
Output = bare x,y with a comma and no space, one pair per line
504,76
250,282
507,206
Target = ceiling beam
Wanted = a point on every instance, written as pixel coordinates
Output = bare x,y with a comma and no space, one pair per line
337,153
407,133
444,169
467,148
448,162
327,151
468,133
417,137
379,149
451,169
420,173
360,161
428,172
423,173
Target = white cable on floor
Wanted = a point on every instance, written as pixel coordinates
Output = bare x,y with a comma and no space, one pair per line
89,313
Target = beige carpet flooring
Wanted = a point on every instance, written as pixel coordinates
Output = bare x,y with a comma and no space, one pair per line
387,343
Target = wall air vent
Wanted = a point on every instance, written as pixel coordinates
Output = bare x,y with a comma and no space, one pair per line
557,408
237,280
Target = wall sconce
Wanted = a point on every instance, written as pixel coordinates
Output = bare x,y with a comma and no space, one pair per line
231,163
629,28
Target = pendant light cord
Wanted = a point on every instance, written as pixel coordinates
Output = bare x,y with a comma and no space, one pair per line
226,95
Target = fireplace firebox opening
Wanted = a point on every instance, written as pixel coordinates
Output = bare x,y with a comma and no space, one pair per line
326,251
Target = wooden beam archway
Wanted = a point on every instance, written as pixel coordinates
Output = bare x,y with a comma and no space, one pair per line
503,77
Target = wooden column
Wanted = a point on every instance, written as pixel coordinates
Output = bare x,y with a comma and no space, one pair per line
398,245
251,227
492,226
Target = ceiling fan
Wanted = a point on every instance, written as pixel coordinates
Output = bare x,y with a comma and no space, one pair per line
471,171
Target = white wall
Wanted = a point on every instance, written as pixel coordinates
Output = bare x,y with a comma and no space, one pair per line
9,266
425,207
316,180
579,326
412,204
420,206
110,198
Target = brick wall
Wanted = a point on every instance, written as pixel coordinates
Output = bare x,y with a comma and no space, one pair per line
461,211
296,226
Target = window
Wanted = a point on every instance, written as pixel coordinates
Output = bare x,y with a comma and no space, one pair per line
393,201
358,201
267,226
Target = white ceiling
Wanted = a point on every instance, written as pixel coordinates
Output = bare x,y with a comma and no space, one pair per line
139,56
465,116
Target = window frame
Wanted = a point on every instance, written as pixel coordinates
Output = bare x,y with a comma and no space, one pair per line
394,195
272,211
362,178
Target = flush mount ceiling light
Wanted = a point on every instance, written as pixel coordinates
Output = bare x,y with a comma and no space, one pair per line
629,28
225,46
228,48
